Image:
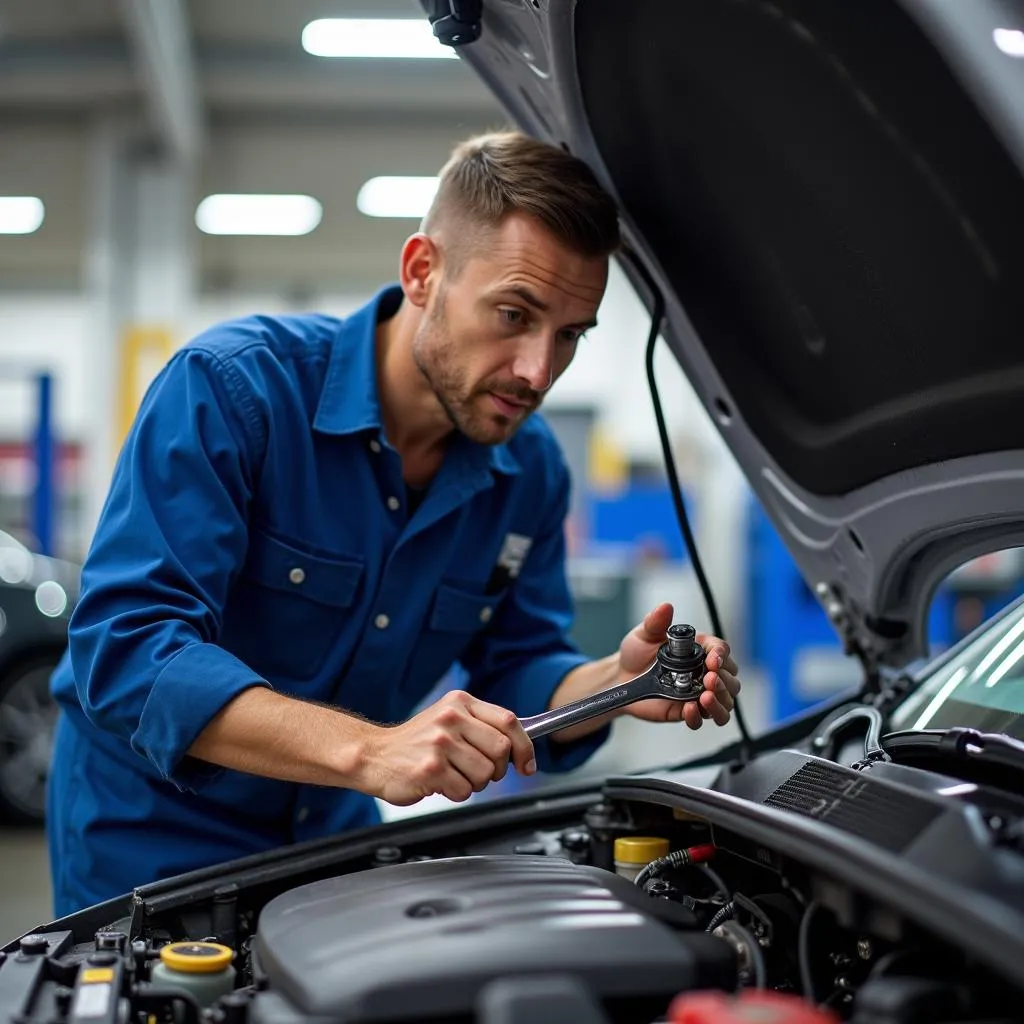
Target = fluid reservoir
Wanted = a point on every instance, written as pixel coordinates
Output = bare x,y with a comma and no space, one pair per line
203,969
634,853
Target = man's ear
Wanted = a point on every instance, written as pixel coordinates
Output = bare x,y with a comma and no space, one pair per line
420,268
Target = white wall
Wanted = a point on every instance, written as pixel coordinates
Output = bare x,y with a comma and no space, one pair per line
46,332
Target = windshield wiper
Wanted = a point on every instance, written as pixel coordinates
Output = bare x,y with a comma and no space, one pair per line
986,750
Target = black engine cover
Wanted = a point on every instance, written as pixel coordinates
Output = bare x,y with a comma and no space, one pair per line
421,940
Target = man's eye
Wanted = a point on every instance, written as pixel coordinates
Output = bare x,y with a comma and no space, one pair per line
573,336
512,317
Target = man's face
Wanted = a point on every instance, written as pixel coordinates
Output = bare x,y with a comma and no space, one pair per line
497,336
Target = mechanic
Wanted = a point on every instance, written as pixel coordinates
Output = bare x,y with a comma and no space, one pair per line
312,520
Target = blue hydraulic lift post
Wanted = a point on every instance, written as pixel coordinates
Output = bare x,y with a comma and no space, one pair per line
43,497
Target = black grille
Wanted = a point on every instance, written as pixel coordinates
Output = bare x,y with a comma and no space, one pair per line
881,815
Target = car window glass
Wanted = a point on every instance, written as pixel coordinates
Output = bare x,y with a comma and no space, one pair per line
982,685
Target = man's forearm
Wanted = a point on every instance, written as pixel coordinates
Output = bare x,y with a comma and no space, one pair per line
582,682
278,737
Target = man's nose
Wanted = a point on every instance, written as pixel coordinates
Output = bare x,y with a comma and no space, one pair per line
534,362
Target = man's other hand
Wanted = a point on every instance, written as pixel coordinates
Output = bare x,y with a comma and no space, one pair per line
454,748
721,678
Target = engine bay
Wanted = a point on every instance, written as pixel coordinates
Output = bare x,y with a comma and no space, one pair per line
631,903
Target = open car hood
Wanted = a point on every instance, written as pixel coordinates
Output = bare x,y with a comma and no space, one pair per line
829,198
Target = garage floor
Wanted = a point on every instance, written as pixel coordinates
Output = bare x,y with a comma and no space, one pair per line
24,867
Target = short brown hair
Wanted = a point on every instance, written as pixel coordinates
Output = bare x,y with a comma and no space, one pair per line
490,176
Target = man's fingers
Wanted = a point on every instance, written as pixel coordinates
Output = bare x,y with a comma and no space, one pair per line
455,786
713,709
675,711
724,664
724,686
724,697
722,683
719,657
714,682
652,630
469,762
691,713
491,742
732,684
522,754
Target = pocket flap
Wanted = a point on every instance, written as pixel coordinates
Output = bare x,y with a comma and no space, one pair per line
461,611
327,580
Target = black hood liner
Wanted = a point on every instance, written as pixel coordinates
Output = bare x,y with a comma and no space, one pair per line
837,218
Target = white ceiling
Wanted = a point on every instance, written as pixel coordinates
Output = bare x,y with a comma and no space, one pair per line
275,119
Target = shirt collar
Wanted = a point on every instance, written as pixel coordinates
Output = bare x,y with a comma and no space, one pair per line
349,401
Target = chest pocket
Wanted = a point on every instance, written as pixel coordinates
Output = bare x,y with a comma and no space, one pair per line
461,611
456,616
288,608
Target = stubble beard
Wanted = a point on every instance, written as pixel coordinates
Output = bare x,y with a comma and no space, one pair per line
435,357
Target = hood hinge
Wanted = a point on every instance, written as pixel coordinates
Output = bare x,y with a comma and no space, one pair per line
852,638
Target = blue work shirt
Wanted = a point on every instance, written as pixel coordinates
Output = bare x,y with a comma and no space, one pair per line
256,533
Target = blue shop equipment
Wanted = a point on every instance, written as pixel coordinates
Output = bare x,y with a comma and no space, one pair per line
43,503
640,519
40,516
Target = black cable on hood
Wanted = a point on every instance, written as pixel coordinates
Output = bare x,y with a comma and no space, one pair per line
657,318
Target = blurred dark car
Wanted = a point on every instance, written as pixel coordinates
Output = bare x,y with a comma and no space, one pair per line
37,595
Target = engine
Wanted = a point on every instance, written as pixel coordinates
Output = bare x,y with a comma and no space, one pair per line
597,911
434,935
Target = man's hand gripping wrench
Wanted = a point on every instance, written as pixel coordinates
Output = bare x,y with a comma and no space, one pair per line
677,674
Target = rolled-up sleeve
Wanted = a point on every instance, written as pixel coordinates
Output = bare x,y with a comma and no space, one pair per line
171,536
521,659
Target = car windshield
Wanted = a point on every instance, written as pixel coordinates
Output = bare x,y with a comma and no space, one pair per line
980,687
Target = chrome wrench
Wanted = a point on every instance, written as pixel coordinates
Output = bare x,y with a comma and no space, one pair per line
676,674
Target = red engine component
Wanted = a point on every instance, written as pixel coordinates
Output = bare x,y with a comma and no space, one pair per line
752,1007
698,854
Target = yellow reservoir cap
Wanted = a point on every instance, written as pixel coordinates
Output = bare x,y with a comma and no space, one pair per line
95,975
196,957
640,849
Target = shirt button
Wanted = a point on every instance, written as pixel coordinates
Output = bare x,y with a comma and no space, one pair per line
375,446
382,621
303,814
486,613
394,504
297,575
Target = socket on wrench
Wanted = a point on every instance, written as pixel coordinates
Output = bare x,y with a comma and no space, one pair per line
676,674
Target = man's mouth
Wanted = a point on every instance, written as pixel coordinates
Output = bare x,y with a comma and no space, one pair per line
509,406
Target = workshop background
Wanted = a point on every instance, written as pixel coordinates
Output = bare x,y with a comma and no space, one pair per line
126,127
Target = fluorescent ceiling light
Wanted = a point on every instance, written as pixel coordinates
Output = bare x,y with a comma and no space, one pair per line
373,37
228,214
396,197
20,215
1010,41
